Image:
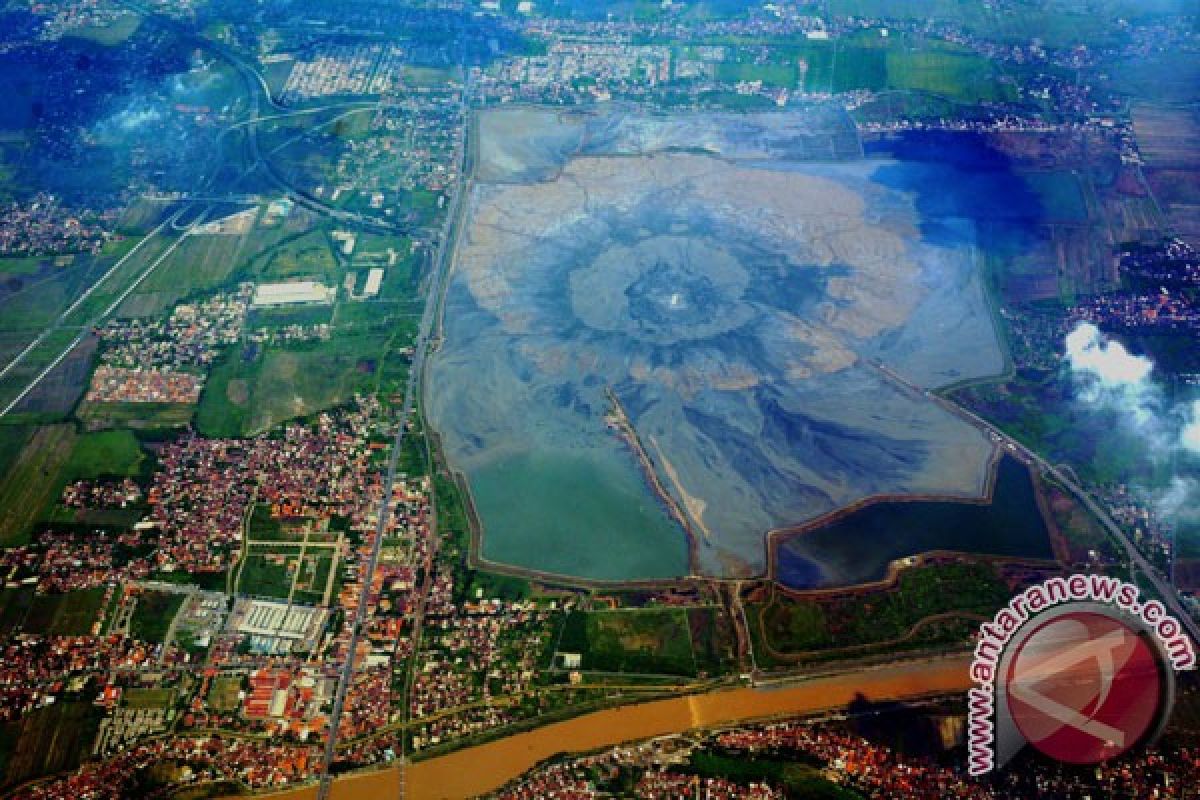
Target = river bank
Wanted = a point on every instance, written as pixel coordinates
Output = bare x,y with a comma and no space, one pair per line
486,767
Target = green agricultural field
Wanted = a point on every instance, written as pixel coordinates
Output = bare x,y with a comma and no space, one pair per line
14,605
22,266
308,256
295,315
650,641
67,614
262,576
148,698
201,263
29,486
869,61
115,453
37,304
137,416
223,693
770,74
153,614
247,397
12,442
964,77
142,215
49,740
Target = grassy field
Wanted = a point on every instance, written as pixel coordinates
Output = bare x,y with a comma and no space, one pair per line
30,484
713,640
137,416
108,453
202,262
223,693
153,614
652,641
313,574
1058,23
867,60
14,605
965,77
427,76
246,397
838,621
279,317
148,698
771,74
67,614
264,577
354,125
21,265
304,257
12,442
52,739
36,305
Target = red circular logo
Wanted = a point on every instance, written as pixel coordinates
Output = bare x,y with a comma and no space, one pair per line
1084,687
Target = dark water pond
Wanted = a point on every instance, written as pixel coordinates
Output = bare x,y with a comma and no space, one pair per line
858,548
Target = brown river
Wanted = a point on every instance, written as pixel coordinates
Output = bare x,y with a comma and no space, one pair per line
475,770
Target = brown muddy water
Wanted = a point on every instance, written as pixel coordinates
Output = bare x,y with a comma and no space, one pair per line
484,768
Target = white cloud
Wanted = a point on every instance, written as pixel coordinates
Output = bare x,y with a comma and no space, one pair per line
1090,351
1113,378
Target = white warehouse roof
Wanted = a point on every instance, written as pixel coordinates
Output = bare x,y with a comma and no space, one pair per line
293,292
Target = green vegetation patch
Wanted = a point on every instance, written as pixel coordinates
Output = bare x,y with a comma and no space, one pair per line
771,74
966,77
28,265
713,640
304,257
797,779
650,641
66,614
14,605
246,396
29,486
267,574
137,416
52,739
297,315
1060,195
12,442
153,614
223,693
148,698
116,453
839,621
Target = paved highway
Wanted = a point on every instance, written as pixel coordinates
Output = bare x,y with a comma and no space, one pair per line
441,268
